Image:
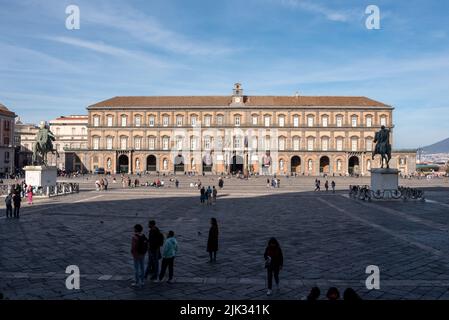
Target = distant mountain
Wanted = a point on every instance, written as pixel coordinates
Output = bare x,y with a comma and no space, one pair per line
439,147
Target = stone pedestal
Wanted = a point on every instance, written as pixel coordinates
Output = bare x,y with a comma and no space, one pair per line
40,176
384,179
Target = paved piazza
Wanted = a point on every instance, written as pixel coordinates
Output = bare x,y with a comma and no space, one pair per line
327,239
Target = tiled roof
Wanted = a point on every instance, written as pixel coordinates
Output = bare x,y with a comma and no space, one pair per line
249,101
5,111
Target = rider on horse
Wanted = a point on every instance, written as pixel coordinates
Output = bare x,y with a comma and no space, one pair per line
383,146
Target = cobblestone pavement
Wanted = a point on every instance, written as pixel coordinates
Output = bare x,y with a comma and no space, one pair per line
327,239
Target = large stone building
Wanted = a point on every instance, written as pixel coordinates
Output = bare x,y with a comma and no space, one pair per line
24,140
7,120
258,134
71,134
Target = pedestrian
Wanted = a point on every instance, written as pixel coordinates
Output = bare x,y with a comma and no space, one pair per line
274,261
202,194
268,182
326,185
155,242
16,199
177,183
333,186
214,194
314,294
139,247
168,256
30,194
209,195
8,203
317,185
212,240
106,183
220,183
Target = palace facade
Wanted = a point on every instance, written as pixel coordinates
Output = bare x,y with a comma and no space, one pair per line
308,135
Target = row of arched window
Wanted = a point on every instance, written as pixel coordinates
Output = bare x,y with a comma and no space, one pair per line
267,121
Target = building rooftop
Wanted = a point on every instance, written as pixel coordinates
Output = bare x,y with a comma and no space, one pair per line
5,111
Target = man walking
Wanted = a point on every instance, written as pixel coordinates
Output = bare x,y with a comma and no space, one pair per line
155,242
333,186
214,194
326,185
168,256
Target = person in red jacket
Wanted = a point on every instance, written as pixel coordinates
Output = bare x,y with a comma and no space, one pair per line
139,247
274,261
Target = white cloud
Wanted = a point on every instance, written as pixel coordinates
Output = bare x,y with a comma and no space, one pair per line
315,7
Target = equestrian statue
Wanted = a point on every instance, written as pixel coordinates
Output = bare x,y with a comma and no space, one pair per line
43,145
383,146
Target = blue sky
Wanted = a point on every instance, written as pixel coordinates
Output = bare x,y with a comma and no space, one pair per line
273,47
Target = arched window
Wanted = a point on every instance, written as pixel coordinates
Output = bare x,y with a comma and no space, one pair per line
281,121
138,120
339,120
354,121
339,164
369,121
267,120
165,164
96,120
325,121
310,165
207,120
110,120
296,120
310,121
179,120
383,121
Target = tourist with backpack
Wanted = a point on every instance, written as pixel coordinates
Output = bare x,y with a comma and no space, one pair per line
8,203
168,256
155,242
139,247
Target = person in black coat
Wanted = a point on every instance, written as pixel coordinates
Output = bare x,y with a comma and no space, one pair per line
212,240
274,261
16,199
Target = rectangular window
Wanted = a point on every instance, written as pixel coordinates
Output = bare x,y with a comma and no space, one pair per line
369,145
165,121
137,143
179,121
207,121
339,144
109,121
310,121
123,143
193,121
96,121
151,121
369,122
282,144
96,143
254,120
207,143
193,143
325,144
109,143
237,143
325,121
165,143
237,121
179,143
151,143
123,121
281,121
254,143
354,144
383,121
310,144
137,121
296,121
296,144
219,120
354,121
267,121
339,121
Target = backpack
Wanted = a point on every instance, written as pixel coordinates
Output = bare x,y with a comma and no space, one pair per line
142,244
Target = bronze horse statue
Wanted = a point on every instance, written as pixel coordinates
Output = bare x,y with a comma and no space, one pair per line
383,146
43,145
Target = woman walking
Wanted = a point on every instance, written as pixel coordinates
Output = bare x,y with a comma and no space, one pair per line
202,194
274,262
30,194
212,240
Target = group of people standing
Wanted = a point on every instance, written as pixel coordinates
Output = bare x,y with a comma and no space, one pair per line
14,199
208,195
101,184
160,248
